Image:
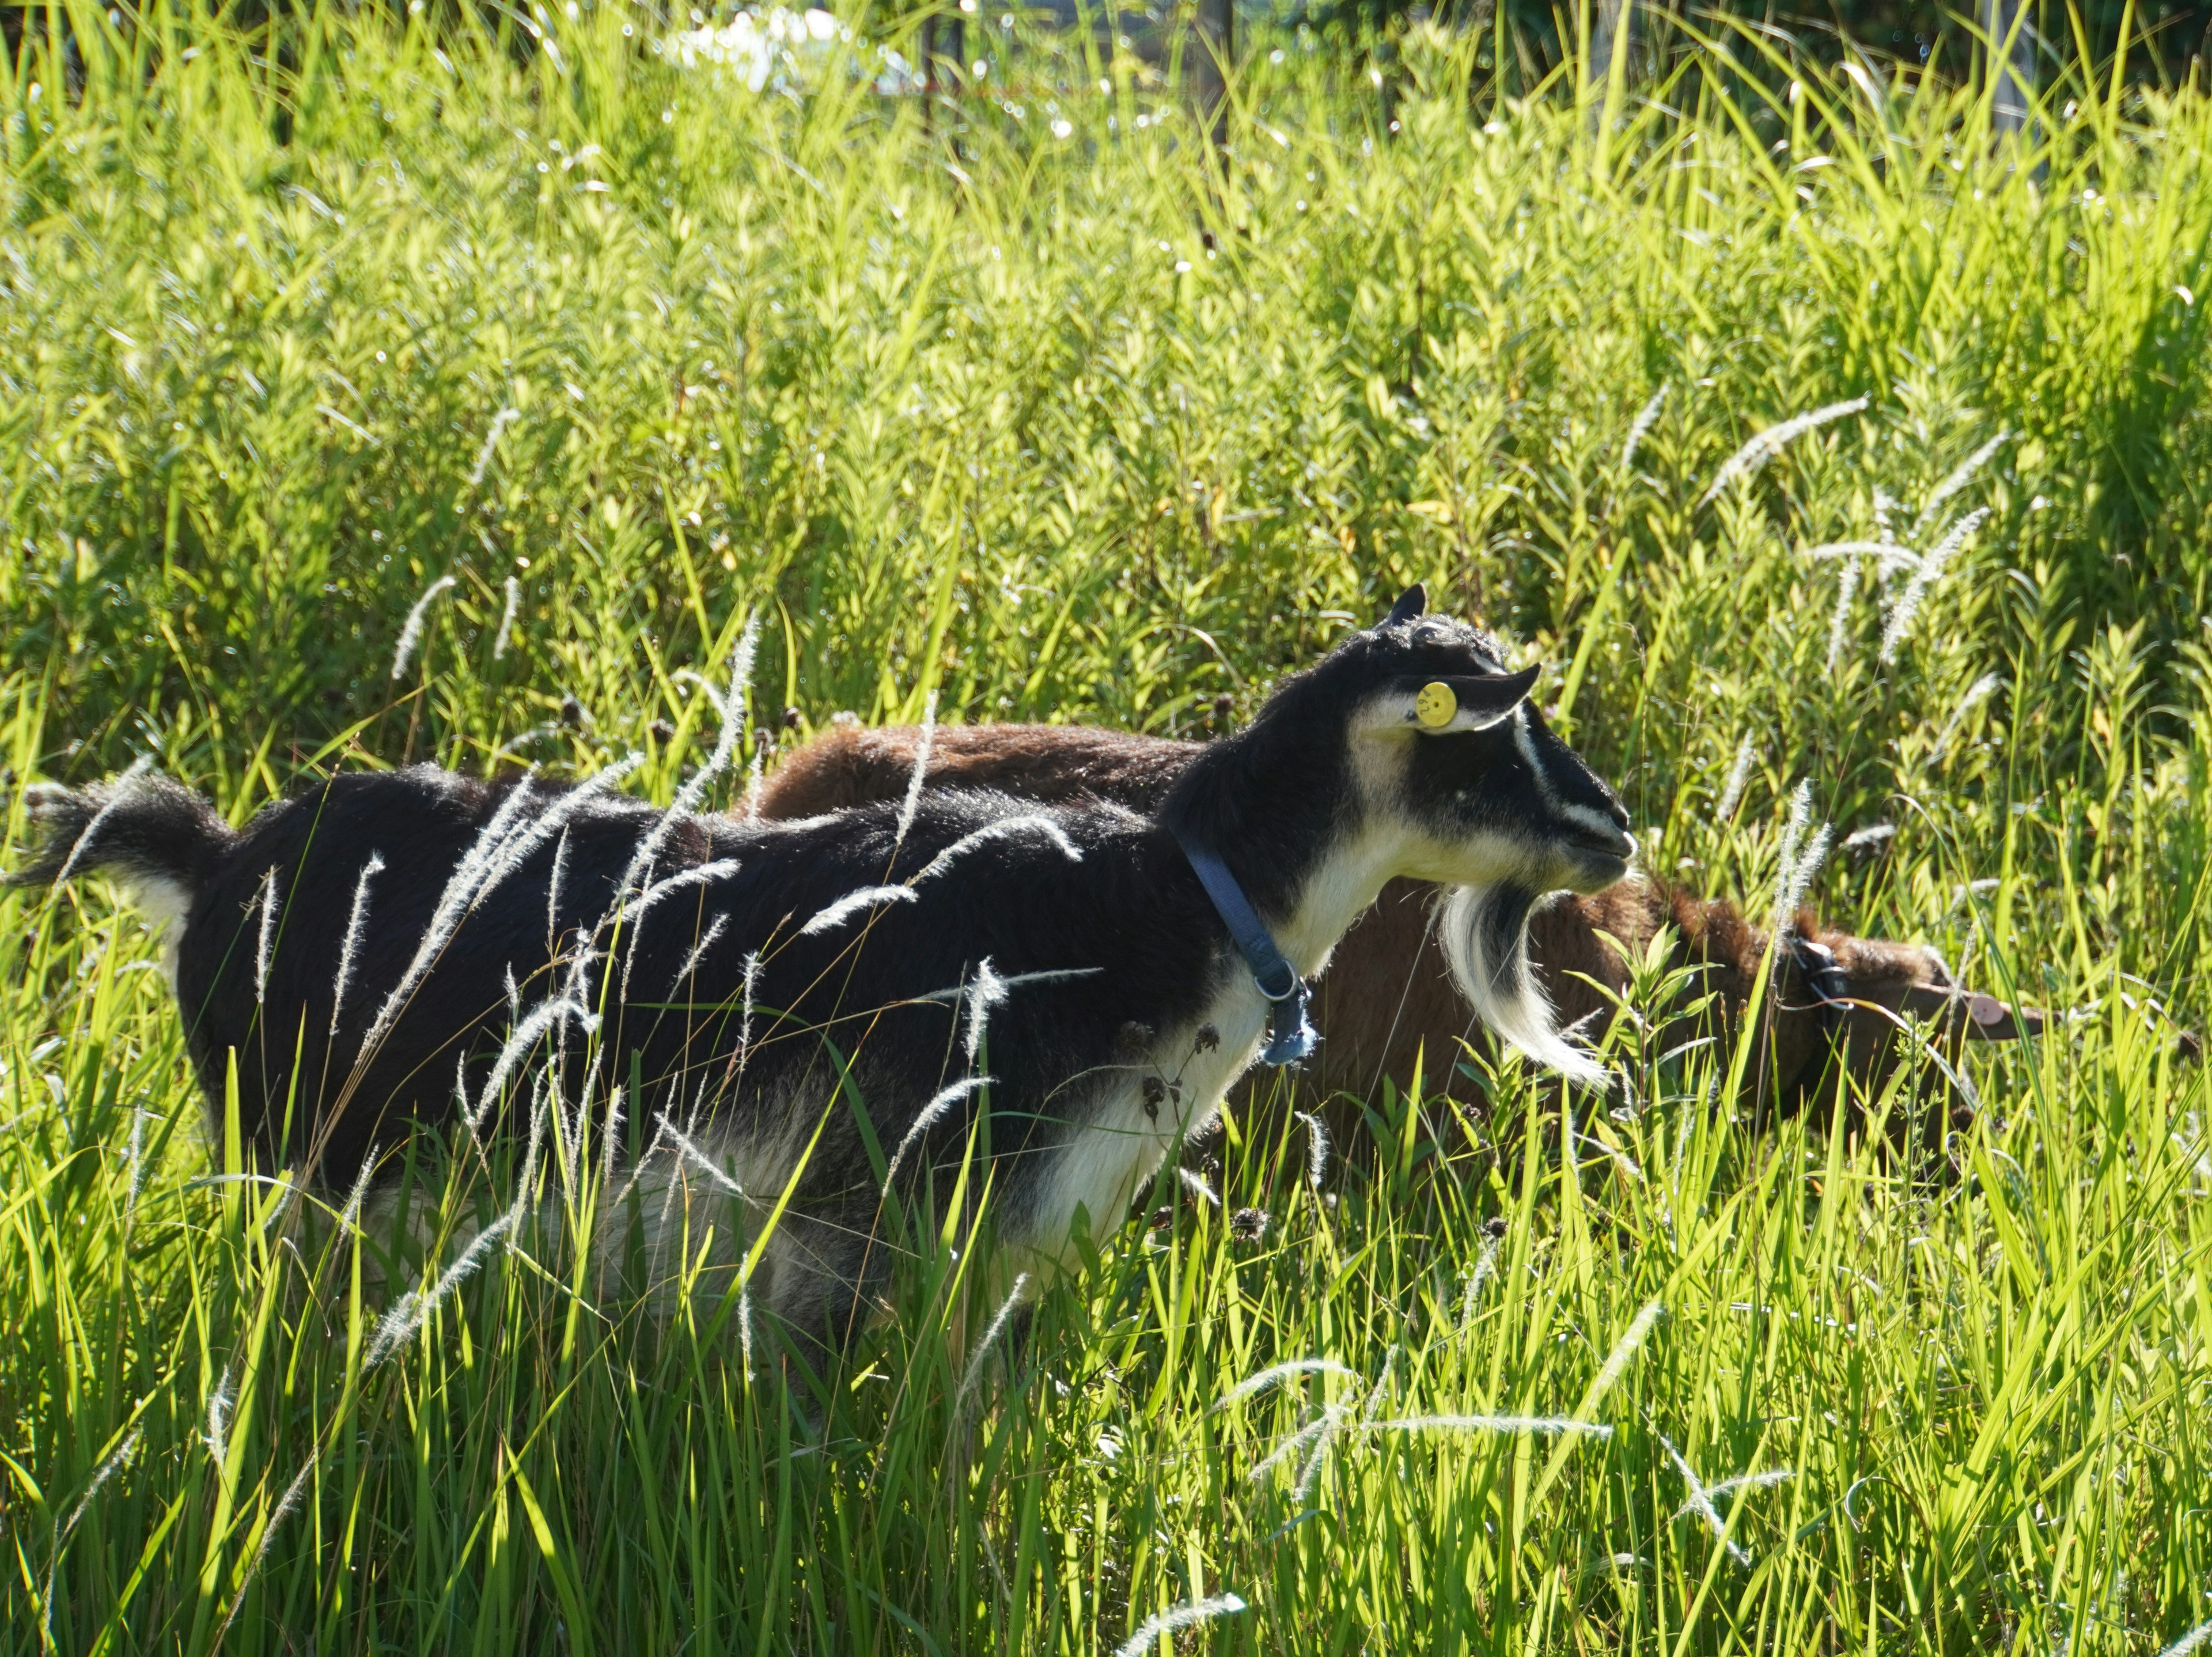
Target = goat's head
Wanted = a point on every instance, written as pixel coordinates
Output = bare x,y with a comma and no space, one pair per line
1885,989
1450,757
1446,750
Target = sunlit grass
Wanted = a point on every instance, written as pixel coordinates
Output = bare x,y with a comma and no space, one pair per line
946,411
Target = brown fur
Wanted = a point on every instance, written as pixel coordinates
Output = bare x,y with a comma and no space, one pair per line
1387,1001
857,766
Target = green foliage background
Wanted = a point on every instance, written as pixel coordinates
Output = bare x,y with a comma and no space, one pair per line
1041,407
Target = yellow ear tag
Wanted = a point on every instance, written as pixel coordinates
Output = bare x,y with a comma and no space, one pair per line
1437,705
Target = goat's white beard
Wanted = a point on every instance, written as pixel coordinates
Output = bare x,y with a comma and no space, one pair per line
1485,933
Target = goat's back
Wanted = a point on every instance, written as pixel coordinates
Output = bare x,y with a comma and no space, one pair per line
852,765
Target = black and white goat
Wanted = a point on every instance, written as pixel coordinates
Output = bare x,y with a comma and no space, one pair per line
1399,1000
826,1010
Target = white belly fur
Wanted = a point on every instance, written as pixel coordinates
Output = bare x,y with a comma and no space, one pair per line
1120,1147
164,904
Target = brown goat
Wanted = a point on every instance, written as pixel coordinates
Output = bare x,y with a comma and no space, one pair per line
1389,1000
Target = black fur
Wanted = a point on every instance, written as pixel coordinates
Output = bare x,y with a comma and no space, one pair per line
1021,905
141,827
1274,798
850,993
855,1028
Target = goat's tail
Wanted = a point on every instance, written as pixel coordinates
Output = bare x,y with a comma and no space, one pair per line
156,838
1484,934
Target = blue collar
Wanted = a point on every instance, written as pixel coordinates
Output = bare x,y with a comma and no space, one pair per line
1290,1035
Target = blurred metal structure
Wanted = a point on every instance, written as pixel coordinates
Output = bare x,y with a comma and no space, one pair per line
1211,50
2010,34
1613,27
944,50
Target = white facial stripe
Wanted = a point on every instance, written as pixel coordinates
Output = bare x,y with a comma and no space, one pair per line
1595,821
1527,743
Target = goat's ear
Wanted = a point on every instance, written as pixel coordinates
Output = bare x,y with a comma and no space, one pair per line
1978,1017
1487,700
1445,707
1410,603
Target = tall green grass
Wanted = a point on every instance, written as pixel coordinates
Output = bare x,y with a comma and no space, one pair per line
1102,426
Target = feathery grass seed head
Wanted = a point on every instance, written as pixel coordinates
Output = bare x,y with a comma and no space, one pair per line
500,422
1173,1621
833,916
414,1308
986,991
991,1333
1646,419
116,1460
1732,790
1700,1502
505,633
1316,1148
1275,1374
356,927
2195,1640
928,1117
1888,554
699,1160
1847,586
1005,828
1624,1350
1885,506
1800,860
1746,460
546,1015
134,1160
265,946
1194,1183
1959,477
277,1516
1562,1426
216,1436
1925,574
410,630
1975,694
1486,1268
349,1216
688,798
912,803
708,940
